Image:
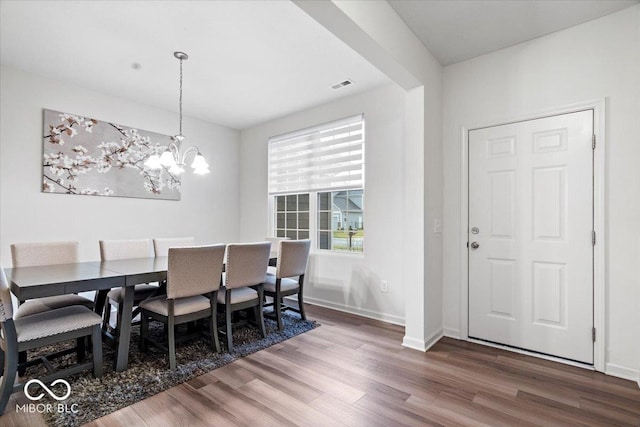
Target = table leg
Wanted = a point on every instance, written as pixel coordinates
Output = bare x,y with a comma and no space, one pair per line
125,330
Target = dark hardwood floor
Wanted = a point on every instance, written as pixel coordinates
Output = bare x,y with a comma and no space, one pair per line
352,371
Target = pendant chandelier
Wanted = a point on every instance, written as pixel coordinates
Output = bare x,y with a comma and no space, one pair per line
172,158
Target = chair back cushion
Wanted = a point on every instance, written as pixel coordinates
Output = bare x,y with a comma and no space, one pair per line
292,258
246,264
194,270
6,306
43,253
125,249
161,245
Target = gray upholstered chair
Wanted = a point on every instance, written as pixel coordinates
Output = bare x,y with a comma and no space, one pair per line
47,253
161,245
246,269
193,280
275,244
289,278
22,333
126,249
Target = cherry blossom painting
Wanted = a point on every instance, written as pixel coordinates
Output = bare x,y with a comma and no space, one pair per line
86,156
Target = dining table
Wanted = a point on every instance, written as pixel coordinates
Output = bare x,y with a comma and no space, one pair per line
99,276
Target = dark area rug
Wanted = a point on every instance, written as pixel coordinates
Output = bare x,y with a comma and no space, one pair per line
149,373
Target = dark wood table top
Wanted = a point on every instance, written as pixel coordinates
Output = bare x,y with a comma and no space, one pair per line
49,280
139,270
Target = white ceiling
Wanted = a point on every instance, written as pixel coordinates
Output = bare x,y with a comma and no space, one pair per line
250,61
457,30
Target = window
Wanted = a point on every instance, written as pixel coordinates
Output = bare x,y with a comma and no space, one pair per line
340,220
320,170
292,216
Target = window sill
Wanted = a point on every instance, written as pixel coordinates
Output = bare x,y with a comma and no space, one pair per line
335,254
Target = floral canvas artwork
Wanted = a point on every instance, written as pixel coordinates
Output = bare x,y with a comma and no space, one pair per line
82,155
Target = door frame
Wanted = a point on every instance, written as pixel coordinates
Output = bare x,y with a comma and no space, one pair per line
599,250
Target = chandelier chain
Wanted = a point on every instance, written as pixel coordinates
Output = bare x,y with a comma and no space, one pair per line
173,157
180,96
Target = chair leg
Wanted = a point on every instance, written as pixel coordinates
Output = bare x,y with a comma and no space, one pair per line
106,315
214,328
172,343
260,320
260,311
96,338
277,304
303,316
229,328
144,331
9,377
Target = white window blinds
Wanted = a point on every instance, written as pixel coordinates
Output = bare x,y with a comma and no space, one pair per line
325,157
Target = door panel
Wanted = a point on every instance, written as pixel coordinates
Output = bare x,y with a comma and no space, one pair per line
531,198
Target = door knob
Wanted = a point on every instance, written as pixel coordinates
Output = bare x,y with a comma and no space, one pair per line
475,245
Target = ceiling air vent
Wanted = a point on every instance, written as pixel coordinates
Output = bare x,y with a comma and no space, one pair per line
342,84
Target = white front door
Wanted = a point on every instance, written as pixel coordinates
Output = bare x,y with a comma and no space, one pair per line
530,235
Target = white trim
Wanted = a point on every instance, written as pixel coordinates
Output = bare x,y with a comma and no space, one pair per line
422,345
599,224
623,372
464,234
452,333
599,280
414,344
533,354
383,317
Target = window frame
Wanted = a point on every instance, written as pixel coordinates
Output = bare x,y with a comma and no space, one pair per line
314,193
314,222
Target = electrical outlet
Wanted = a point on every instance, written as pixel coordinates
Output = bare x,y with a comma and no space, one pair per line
384,286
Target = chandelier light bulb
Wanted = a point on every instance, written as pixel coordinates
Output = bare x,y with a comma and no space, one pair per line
199,162
167,159
203,170
176,170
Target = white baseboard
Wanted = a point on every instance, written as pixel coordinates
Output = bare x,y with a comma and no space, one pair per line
414,343
623,372
452,333
389,318
424,344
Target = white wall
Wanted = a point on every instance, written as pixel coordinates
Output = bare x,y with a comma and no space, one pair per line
345,281
375,31
594,60
208,209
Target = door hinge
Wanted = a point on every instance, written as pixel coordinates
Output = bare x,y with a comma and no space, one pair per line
593,237
593,142
593,334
